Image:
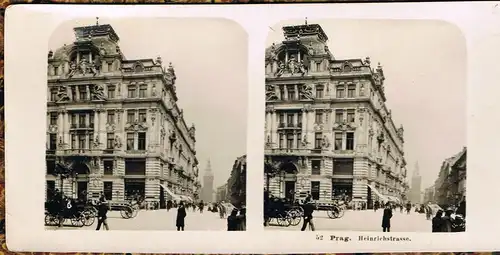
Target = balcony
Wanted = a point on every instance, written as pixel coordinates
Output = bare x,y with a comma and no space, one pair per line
282,126
82,126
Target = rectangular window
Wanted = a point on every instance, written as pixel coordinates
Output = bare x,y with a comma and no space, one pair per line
111,91
82,120
318,117
142,115
320,91
53,118
318,67
53,95
51,188
350,116
289,141
282,141
316,167
132,92
73,141
108,167
110,141
111,117
299,139
83,93
291,92
282,93
91,120
143,91
338,141
73,93
130,141
340,91
108,190
289,120
130,116
299,119
343,166
315,187
135,167
282,119
351,91
81,141
318,140
73,120
349,141
51,166
91,140
339,116
142,141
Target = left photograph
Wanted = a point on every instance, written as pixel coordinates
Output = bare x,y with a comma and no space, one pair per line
139,134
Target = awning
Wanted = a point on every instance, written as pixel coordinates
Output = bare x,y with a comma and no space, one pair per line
170,194
393,199
374,190
186,198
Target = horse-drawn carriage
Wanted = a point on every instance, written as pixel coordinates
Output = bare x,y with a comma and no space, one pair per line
78,212
283,211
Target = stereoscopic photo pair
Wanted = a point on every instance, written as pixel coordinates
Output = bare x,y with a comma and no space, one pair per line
147,119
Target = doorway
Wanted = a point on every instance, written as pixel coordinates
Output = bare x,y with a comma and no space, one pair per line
163,205
81,189
290,190
369,199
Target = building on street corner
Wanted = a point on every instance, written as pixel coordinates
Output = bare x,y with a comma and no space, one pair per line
328,130
116,124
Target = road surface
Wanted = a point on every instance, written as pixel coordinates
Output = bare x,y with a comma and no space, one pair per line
157,220
367,220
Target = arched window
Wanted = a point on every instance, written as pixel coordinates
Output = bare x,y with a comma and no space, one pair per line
138,68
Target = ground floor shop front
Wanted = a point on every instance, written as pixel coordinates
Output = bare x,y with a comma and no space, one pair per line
332,178
123,179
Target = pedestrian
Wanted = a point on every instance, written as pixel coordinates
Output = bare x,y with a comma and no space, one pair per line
308,216
446,221
242,219
102,216
181,216
201,206
232,220
437,221
386,218
408,207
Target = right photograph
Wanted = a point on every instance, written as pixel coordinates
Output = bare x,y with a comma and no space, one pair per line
365,126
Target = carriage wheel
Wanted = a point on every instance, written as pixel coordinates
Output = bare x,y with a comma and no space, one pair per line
126,212
51,220
340,212
332,213
78,220
283,220
88,218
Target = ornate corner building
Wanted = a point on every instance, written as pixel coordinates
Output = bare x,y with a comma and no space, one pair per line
328,130
116,123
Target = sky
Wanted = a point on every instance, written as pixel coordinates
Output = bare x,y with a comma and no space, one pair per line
210,61
424,64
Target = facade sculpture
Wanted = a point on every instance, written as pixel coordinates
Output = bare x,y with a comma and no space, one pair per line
327,133
117,144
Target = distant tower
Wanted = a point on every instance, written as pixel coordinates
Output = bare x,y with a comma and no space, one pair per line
208,184
416,185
